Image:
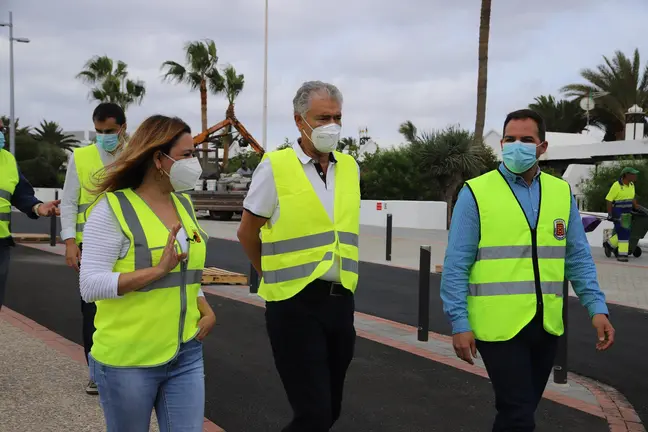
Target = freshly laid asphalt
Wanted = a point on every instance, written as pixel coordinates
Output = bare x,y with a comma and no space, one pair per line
388,389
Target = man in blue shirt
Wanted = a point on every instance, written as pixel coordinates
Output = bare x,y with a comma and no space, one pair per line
24,200
520,367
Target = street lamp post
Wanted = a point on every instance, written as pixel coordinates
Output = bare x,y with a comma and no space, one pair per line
12,116
265,82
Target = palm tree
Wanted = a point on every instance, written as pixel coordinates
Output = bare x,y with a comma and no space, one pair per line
561,115
51,132
450,157
625,83
233,84
19,131
199,73
111,83
482,72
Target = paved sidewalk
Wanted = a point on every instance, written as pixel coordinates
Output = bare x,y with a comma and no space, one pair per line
42,389
42,381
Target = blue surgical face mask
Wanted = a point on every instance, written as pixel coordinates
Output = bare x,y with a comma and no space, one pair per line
2,141
519,157
108,142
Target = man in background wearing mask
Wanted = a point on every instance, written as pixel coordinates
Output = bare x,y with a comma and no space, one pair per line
300,231
84,163
15,191
515,235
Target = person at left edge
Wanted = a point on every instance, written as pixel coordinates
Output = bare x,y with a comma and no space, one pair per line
84,163
143,258
515,236
15,191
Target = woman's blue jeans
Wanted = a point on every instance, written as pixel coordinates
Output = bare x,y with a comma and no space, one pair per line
176,390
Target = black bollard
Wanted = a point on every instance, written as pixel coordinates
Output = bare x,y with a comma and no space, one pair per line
53,224
560,364
254,280
388,244
424,293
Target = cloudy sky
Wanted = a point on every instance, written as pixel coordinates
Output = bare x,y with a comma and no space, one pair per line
393,60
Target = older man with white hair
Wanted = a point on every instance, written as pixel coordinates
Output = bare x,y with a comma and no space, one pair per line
300,231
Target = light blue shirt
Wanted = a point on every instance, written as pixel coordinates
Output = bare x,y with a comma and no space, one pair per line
463,241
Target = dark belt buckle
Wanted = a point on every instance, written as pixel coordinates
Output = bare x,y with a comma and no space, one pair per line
333,292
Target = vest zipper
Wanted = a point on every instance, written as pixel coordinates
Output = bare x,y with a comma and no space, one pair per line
536,266
183,298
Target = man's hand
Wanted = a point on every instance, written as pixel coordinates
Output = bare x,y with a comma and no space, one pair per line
604,332
49,208
464,346
205,325
72,254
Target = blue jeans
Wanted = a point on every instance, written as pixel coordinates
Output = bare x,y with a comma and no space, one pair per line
176,390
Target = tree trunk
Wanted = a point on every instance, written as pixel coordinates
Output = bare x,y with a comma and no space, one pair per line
203,119
482,74
227,139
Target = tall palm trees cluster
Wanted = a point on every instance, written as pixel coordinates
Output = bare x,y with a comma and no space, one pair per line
109,80
621,83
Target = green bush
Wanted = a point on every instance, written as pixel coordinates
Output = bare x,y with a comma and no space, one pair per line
596,188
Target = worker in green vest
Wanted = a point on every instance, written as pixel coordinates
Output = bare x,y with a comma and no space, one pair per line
300,231
142,263
83,166
620,203
515,236
15,191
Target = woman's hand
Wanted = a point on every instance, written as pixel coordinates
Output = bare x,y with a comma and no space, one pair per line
205,325
170,257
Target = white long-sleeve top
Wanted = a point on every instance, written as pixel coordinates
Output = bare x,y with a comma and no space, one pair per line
103,244
71,194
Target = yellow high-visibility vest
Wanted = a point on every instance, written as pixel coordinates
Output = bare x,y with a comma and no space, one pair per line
144,328
517,267
8,181
621,196
301,246
88,163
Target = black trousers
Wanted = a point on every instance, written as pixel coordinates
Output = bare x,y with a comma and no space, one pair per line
5,255
88,311
313,339
519,369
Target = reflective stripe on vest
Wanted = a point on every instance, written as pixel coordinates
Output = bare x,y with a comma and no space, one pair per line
623,203
8,181
145,328
143,257
517,267
88,163
302,244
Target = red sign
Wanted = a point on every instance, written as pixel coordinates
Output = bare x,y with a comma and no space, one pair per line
378,206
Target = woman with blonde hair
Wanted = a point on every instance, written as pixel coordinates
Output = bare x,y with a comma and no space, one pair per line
143,257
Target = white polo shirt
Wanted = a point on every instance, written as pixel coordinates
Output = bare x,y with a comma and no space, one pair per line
262,199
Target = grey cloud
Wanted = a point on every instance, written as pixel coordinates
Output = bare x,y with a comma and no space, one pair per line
393,61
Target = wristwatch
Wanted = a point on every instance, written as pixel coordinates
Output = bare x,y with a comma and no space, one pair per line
35,209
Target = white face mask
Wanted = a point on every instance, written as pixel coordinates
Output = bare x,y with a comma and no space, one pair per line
325,138
184,173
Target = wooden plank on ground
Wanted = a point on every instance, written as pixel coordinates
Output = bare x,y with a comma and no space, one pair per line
32,238
216,276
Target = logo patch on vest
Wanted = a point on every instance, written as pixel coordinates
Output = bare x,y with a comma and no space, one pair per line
560,231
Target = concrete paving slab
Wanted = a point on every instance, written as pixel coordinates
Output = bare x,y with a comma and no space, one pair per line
42,389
